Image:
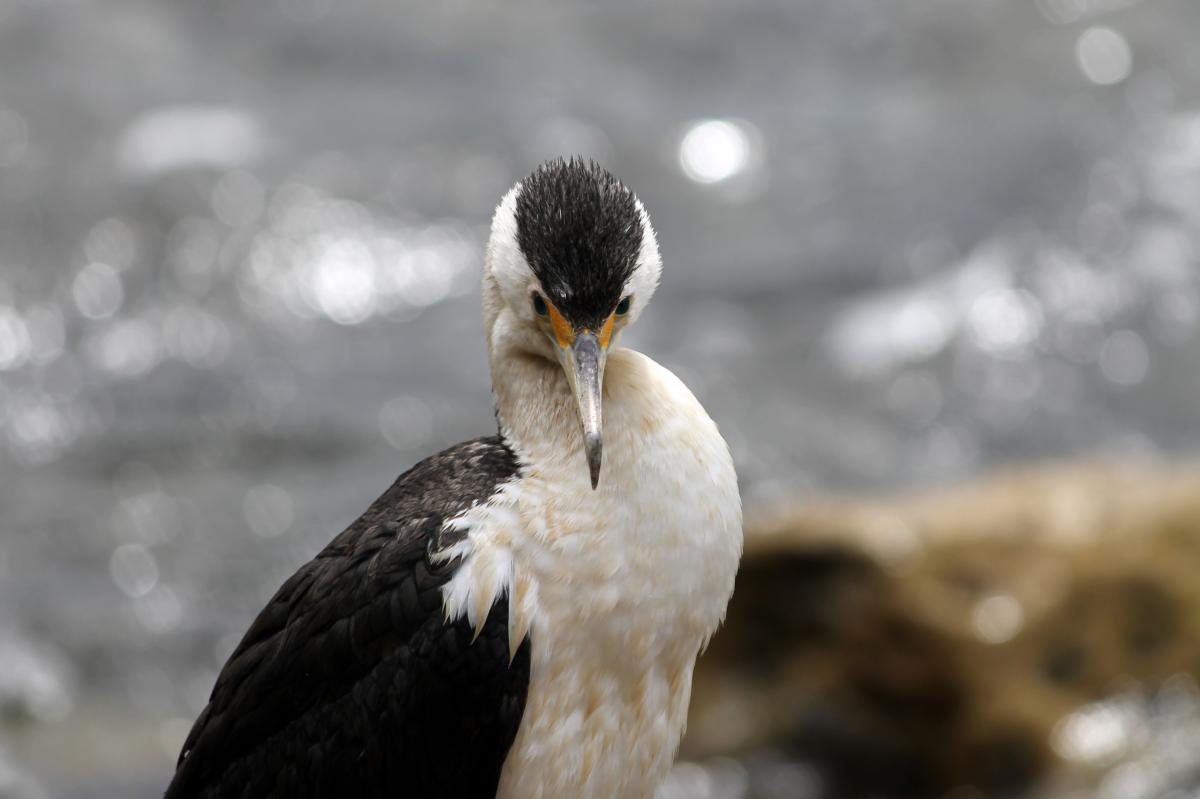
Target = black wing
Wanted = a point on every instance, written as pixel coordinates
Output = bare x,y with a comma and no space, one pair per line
351,683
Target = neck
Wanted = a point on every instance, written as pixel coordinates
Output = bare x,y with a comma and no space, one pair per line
534,406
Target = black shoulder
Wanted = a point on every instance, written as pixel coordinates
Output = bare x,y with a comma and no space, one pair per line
449,482
351,670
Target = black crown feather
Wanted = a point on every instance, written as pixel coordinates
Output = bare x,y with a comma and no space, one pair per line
580,230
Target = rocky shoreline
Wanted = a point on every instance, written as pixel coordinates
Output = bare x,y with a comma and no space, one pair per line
1011,636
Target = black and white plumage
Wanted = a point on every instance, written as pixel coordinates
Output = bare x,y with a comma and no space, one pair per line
503,621
351,675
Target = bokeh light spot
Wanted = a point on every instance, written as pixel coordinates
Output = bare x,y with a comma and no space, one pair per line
1104,56
133,569
997,618
341,281
1124,358
15,342
129,348
1005,319
1095,733
714,150
182,137
97,291
159,611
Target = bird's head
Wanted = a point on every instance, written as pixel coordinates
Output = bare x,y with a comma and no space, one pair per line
575,261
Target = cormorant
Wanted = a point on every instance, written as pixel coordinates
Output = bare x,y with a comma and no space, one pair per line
506,621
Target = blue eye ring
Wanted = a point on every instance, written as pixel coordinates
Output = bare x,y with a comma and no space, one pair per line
539,305
623,306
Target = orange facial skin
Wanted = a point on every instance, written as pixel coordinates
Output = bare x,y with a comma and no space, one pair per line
606,331
565,334
562,328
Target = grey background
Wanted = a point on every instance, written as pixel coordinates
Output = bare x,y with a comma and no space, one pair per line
239,256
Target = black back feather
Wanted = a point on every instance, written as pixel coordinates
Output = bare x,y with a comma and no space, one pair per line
352,683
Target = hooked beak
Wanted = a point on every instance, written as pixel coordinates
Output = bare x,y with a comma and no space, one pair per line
583,362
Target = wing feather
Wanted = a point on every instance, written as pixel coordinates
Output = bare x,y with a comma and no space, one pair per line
350,682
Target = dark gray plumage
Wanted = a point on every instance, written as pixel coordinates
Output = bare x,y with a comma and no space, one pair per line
350,683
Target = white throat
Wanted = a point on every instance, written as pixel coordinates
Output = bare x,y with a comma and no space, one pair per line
619,588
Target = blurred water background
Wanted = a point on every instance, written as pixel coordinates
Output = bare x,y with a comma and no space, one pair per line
240,243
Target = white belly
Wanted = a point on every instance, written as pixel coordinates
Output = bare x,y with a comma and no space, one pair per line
620,588
597,723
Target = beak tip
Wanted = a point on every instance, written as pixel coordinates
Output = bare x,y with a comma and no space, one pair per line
594,446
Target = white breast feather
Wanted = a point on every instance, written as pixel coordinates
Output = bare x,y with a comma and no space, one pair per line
620,588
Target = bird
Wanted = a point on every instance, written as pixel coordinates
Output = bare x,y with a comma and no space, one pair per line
519,615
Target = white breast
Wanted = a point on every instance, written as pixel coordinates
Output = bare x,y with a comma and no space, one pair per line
620,588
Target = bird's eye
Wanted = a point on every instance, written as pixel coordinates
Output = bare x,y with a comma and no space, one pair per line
623,306
539,305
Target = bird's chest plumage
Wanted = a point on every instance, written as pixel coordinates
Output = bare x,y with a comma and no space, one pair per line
618,588
626,598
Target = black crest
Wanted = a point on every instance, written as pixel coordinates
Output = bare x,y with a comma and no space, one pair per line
580,230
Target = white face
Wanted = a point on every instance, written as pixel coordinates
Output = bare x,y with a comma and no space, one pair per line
526,318
512,273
